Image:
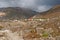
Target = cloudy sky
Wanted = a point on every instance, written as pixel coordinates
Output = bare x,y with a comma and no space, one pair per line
37,5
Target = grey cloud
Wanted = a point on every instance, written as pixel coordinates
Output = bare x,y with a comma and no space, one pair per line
37,5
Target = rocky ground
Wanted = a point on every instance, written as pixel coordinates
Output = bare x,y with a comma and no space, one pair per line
31,29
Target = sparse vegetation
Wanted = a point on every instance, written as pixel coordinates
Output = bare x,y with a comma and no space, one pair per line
23,29
45,34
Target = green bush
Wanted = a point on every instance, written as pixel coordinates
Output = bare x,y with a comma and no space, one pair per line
45,34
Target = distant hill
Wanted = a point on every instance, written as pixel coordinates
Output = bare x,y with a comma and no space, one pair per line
16,13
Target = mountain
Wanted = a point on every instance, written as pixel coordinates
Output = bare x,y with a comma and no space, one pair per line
47,27
16,13
53,12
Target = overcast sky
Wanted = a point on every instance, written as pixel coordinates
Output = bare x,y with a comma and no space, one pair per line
37,5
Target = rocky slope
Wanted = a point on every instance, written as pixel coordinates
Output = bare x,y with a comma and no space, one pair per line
53,12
